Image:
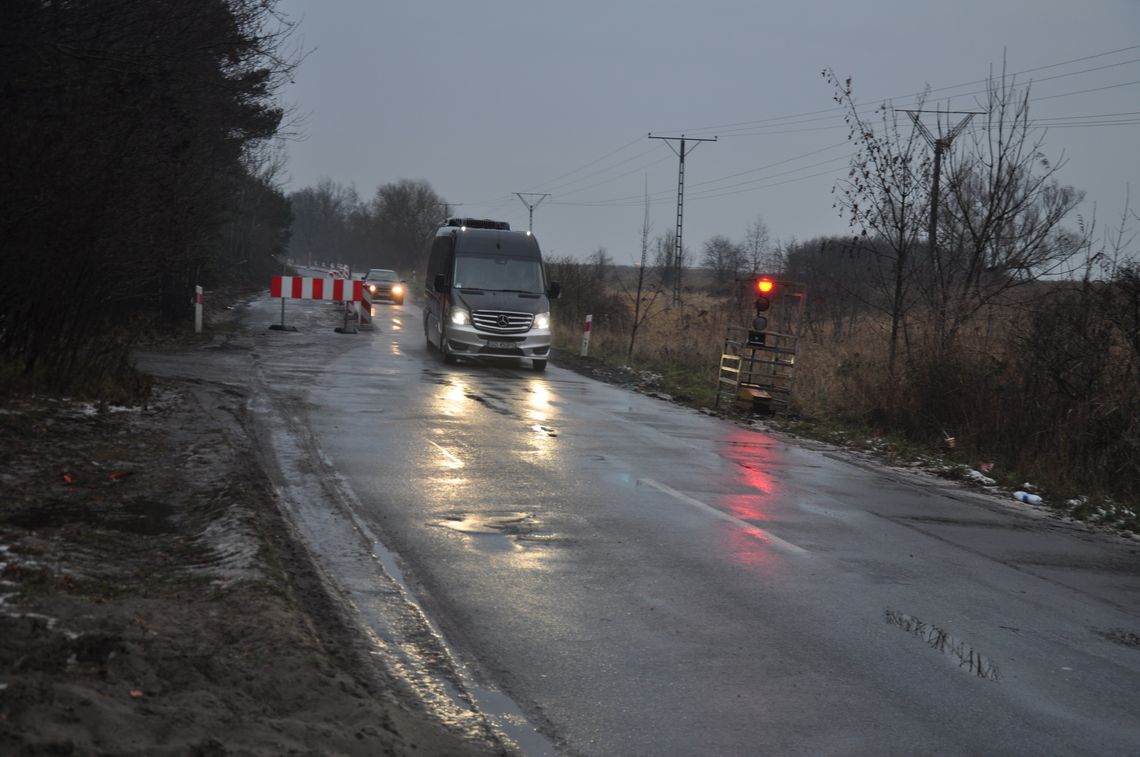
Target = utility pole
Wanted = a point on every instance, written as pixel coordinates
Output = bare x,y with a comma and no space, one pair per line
681,153
940,145
447,207
531,206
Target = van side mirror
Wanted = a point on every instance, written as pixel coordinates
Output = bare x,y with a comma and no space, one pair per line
439,284
554,290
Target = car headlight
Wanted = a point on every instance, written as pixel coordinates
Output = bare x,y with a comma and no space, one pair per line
460,317
397,289
372,288
542,321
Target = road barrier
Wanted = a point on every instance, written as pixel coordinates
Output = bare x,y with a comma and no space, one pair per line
304,288
364,308
325,289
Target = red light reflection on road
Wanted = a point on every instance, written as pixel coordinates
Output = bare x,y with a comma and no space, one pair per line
752,457
751,547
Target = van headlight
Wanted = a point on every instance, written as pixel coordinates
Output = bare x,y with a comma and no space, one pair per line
542,321
397,289
460,317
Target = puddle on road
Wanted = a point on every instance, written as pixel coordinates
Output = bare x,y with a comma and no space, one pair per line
1120,636
435,377
489,402
935,520
947,644
497,532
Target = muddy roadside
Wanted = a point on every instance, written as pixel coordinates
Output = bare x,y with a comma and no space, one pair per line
153,600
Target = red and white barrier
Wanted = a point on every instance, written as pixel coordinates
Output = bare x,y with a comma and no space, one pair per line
364,308
304,288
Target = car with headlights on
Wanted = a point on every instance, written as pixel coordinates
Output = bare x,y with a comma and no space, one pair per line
384,284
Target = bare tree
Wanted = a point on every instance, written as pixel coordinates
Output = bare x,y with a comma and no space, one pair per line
601,265
407,214
643,296
1002,214
884,197
762,256
725,258
839,275
665,249
320,221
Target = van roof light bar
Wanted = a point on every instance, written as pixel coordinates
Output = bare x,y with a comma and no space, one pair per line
478,223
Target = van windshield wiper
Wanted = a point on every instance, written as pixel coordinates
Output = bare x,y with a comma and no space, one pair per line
513,291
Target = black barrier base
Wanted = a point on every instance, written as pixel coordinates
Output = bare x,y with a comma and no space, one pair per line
280,327
345,330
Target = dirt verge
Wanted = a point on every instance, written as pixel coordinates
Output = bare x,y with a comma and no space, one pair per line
153,601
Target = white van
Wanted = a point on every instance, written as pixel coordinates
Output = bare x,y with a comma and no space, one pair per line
486,295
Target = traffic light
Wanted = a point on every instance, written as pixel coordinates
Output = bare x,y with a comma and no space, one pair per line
756,335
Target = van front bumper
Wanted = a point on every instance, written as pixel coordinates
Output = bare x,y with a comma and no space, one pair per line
465,340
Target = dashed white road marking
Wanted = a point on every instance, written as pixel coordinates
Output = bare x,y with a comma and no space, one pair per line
759,533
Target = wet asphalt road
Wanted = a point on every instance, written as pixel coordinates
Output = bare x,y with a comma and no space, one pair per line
641,579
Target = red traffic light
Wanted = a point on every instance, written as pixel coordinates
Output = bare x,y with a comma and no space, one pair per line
765,285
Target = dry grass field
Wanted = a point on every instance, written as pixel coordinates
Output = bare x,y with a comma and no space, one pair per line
1040,387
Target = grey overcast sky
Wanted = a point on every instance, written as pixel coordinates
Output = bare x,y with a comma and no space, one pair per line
485,99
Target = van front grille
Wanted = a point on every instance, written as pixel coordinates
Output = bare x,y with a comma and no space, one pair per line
502,321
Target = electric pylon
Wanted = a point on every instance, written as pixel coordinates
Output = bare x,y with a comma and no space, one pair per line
940,145
681,153
531,206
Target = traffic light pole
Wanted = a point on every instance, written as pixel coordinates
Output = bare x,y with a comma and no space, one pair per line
681,153
758,362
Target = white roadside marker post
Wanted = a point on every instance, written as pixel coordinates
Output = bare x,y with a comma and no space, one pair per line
197,309
587,327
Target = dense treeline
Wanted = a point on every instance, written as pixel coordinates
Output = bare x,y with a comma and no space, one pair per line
392,230
134,161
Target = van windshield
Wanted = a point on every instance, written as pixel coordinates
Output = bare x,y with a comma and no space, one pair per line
497,273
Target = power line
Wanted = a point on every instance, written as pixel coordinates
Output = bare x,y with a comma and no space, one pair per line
587,165
873,105
622,175
1043,123
708,195
638,198
778,125
560,187
722,127
1086,91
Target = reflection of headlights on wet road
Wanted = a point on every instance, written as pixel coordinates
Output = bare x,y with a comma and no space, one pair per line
460,317
539,402
542,321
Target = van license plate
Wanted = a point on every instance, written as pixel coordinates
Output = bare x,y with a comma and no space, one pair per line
501,345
